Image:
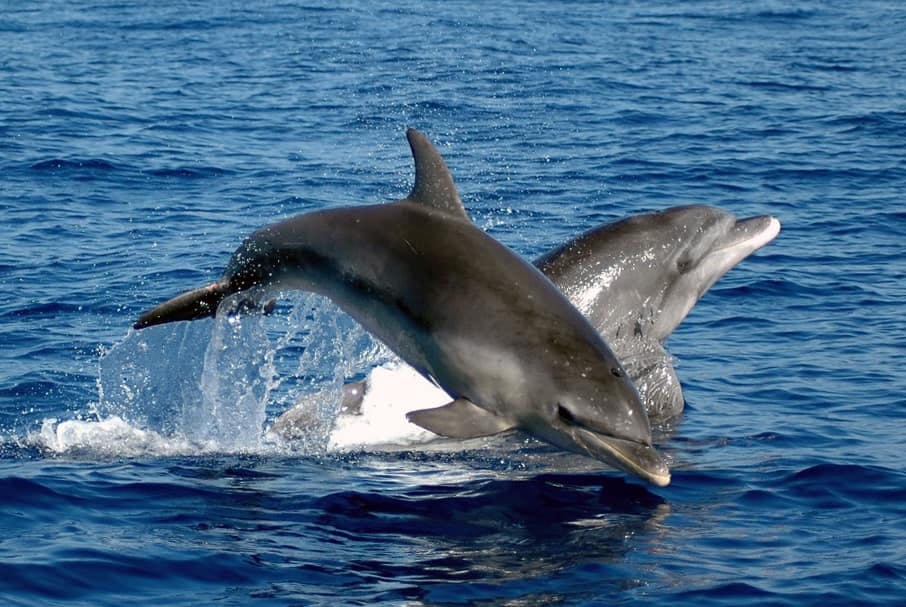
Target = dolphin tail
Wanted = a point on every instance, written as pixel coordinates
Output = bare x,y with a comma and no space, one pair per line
198,303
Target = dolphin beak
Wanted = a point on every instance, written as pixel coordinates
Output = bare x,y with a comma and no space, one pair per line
749,235
637,458
198,303
741,240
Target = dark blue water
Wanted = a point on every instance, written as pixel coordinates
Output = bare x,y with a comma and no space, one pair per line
138,145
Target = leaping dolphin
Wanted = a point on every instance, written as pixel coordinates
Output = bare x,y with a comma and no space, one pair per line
635,280
485,325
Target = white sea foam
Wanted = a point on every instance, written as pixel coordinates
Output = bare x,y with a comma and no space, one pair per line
112,436
394,389
216,386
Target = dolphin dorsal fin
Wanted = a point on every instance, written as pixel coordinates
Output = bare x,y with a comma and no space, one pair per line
434,185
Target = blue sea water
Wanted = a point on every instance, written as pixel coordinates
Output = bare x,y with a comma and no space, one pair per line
140,144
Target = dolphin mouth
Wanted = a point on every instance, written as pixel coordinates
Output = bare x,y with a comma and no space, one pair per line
748,235
637,458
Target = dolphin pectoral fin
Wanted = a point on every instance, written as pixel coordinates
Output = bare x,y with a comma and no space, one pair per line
198,303
459,419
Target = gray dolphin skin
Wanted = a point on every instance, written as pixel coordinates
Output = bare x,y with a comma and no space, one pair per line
637,279
642,275
488,327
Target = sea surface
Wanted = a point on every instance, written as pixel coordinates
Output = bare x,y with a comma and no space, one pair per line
141,142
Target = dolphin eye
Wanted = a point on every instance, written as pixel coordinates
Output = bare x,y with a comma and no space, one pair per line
684,265
564,414
617,372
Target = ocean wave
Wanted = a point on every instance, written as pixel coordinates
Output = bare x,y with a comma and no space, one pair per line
110,437
87,167
844,485
139,144
381,423
75,165
85,575
18,492
184,172
52,308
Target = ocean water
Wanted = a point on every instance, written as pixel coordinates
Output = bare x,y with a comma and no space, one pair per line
140,144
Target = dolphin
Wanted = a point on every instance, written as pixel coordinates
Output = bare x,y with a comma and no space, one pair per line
642,275
466,312
635,280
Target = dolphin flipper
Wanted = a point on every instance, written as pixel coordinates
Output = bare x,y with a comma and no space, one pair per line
459,419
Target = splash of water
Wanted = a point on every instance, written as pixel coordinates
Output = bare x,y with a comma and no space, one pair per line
210,386
394,389
213,386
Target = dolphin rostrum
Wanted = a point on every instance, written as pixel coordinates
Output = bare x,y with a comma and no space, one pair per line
485,325
635,280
